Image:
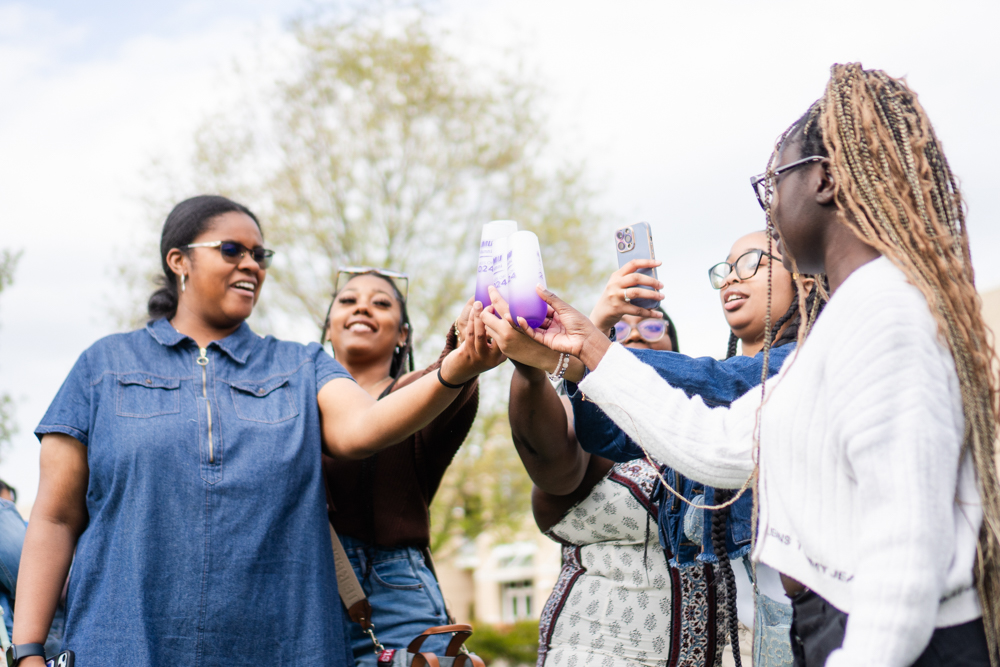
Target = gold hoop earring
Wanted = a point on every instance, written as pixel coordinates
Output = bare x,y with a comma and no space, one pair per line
183,286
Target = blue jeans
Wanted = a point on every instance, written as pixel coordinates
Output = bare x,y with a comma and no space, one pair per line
405,599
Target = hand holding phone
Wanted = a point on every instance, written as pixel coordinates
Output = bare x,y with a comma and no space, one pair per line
636,242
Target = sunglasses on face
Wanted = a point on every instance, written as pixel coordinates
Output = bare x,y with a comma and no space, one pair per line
763,184
745,266
651,330
400,280
234,252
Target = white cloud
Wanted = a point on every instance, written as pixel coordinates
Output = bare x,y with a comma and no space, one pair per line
75,136
673,105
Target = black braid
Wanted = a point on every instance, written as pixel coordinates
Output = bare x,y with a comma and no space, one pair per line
728,594
733,341
794,318
793,328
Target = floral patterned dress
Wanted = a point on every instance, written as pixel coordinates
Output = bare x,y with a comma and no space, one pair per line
617,602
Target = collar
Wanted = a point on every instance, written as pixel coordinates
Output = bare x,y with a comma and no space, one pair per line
237,344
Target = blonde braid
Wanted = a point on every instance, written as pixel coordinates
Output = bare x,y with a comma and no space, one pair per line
893,187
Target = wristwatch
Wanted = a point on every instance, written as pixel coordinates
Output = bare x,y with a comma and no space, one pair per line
17,652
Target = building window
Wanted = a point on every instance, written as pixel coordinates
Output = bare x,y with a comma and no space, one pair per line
516,602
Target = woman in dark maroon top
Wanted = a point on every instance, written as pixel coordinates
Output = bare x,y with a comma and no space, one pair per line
379,505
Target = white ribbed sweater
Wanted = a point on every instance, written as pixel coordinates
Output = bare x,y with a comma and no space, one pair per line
862,497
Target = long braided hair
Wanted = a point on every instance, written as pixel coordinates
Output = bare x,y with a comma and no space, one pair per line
814,303
893,187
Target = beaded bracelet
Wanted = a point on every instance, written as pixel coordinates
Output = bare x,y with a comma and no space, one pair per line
561,367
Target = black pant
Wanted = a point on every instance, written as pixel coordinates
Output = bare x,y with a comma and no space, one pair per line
818,630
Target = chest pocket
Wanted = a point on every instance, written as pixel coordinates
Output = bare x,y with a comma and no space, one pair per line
266,401
143,395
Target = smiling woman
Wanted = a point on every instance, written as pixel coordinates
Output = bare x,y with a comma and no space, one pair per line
379,506
181,463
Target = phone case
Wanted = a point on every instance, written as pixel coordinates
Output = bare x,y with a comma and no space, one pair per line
62,659
636,242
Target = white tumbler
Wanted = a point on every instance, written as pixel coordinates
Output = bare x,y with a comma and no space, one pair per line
501,250
523,273
497,229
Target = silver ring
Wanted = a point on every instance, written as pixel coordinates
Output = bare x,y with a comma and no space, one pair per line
625,294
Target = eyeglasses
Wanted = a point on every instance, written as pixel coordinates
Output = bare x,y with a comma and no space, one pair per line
746,266
762,184
234,252
400,280
651,330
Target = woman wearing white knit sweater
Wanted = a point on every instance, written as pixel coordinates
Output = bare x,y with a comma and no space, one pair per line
876,458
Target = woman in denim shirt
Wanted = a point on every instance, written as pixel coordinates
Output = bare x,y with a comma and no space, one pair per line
595,442
182,462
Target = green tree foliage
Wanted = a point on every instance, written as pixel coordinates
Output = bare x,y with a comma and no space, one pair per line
8,264
380,147
515,644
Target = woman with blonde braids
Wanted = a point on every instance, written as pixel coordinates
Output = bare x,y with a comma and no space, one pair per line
878,492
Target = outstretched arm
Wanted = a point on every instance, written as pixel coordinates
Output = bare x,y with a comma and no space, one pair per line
710,445
355,425
718,383
543,433
542,423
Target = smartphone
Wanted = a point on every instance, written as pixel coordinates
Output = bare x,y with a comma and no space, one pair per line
636,242
63,659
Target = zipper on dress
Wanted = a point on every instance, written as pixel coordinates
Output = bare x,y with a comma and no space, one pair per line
203,361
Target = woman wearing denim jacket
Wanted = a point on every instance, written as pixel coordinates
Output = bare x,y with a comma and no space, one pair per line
182,463
687,541
380,505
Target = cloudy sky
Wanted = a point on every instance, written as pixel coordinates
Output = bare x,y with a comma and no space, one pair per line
673,105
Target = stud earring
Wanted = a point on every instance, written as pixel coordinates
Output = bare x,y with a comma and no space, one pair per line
183,286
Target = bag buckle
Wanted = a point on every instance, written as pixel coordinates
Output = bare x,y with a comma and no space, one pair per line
379,649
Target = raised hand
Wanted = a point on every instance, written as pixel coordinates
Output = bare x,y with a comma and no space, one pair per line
569,331
461,323
514,343
612,305
475,354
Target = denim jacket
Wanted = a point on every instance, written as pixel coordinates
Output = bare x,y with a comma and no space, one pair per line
11,541
207,540
718,383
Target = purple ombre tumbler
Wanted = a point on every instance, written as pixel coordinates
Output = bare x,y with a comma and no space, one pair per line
523,273
497,229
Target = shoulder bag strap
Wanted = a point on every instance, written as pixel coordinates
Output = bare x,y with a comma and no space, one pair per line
351,593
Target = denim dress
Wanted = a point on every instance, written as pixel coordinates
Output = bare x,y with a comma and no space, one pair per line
207,543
